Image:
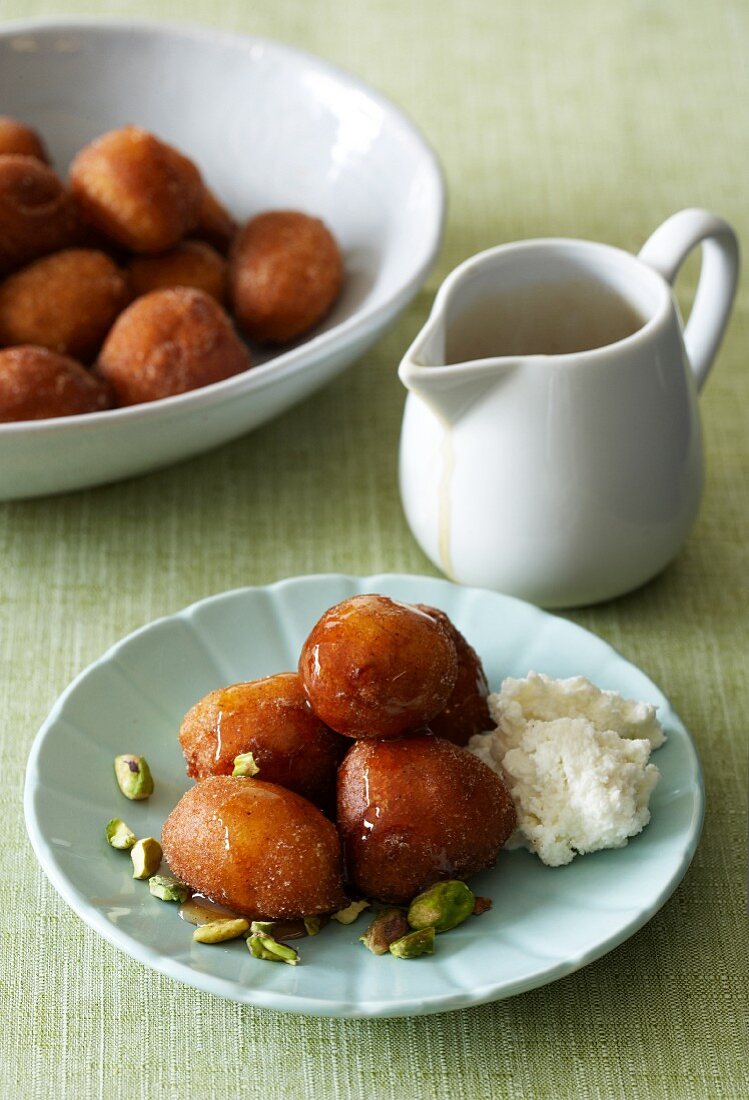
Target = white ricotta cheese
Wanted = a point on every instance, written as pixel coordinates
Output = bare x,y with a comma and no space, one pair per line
541,698
576,761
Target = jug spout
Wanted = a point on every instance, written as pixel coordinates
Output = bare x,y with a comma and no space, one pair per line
449,389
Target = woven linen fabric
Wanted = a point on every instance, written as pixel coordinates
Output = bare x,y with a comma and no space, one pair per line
583,119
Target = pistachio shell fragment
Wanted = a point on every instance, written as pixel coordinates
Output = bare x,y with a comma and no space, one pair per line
120,835
388,926
244,764
442,907
481,905
218,931
420,942
146,856
133,776
168,889
263,946
351,912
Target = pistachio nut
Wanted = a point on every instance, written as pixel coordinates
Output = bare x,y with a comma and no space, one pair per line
244,764
120,835
146,856
168,889
217,931
388,926
420,942
262,927
133,776
263,946
351,912
313,925
442,907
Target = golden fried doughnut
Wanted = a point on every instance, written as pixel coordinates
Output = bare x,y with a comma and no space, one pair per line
37,384
272,719
215,223
190,263
66,302
17,138
466,711
373,667
137,190
255,847
168,342
37,215
285,272
417,810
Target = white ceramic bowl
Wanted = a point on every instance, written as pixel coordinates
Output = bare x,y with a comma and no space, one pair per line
269,127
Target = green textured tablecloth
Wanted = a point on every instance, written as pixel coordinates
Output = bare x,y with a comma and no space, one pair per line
587,119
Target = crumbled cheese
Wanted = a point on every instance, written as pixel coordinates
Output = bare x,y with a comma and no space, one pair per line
576,761
542,698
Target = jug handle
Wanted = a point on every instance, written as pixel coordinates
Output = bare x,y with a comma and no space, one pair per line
666,251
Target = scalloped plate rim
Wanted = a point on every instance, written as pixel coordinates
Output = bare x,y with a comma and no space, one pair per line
232,990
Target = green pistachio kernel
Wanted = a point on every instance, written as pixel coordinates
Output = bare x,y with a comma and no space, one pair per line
120,835
146,856
415,944
168,889
313,925
388,926
133,776
351,912
262,927
244,764
263,946
218,931
442,907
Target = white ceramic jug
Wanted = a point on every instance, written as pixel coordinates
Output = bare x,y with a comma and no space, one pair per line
563,478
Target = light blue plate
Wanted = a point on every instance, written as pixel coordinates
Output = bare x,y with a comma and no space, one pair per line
545,922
